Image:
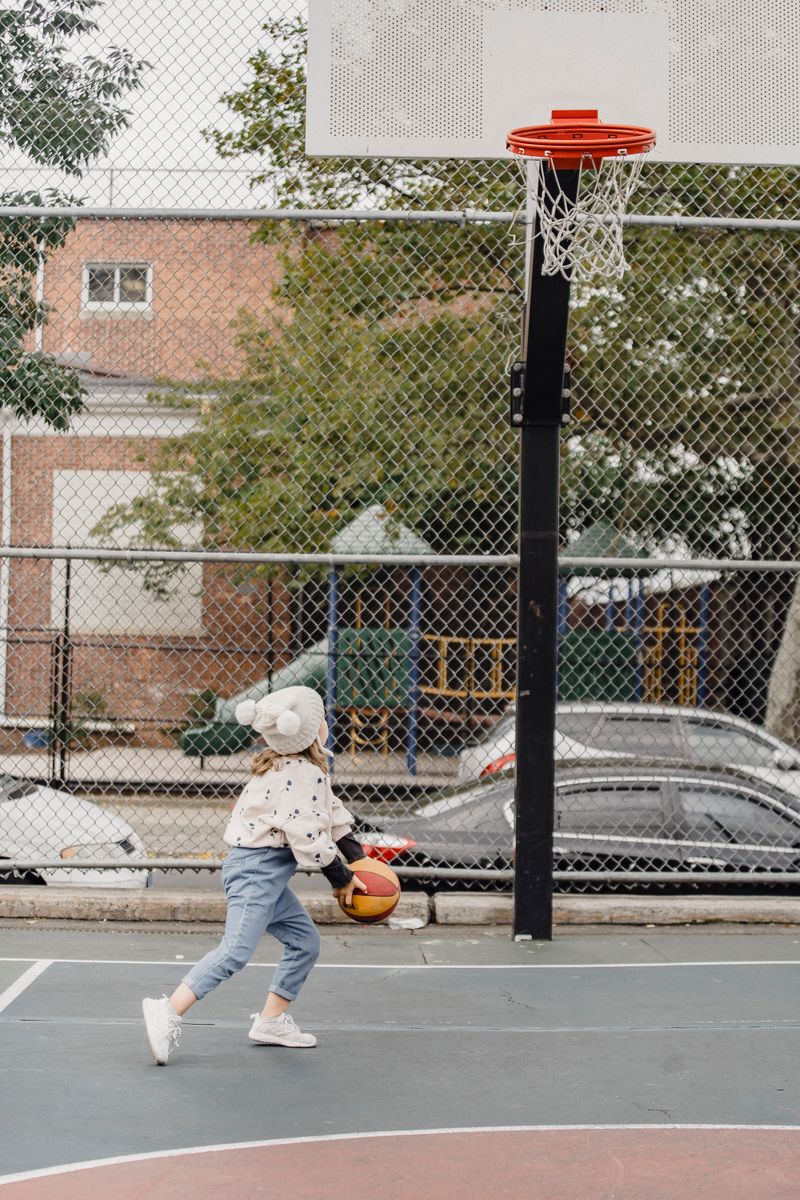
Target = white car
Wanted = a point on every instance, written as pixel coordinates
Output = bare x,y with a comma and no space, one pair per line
494,752
601,732
43,824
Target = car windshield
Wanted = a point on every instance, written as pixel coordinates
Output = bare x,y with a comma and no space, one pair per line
716,744
729,816
502,728
12,789
480,814
578,726
489,792
644,736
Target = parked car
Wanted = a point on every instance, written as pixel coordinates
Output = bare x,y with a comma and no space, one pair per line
602,732
44,823
612,818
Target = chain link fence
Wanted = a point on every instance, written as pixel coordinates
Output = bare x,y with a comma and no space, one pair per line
254,432
119,742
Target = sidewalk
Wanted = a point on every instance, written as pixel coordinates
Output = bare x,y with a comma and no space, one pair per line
145,766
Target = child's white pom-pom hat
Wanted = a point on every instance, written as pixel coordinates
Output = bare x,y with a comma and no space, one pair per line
245,712
288,720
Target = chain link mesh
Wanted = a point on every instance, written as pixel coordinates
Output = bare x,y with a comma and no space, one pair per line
180,376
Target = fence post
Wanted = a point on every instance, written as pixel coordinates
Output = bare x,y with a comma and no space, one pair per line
330,696
413,671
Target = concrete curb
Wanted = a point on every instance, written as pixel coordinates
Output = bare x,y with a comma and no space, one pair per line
108,904
455,909
414,911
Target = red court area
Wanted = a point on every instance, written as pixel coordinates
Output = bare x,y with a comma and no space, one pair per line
631,1163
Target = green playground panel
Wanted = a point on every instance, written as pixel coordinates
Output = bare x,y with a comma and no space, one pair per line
373,672
597,664
372,668
218,737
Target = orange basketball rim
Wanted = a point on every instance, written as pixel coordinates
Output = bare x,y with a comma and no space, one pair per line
576,138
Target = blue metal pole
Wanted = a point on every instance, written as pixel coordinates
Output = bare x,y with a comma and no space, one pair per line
413,671
610,608
702,646
563,608
629,607
330,693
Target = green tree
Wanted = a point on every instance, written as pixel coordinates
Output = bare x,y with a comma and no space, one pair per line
343,405
690,378
61,109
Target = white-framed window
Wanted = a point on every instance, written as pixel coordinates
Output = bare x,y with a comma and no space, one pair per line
115,285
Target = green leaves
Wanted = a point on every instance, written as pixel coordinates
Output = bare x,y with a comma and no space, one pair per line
34,385
59,109
62,111
689,378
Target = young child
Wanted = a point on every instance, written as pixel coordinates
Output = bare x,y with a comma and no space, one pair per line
286,815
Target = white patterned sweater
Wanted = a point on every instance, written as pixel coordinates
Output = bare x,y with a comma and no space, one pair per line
294,805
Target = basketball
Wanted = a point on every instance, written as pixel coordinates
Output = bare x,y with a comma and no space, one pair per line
383,896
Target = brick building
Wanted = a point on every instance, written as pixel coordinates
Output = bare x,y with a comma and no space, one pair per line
144,299
130,302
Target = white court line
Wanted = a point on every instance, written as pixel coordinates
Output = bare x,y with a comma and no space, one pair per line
91,1163
613,966
18,987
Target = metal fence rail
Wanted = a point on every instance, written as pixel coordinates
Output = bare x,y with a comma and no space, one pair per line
333,216
463,875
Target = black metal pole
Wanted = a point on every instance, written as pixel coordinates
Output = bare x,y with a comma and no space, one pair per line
538,405
62,665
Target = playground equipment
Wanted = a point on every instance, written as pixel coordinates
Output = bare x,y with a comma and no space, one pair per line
382,672
381,680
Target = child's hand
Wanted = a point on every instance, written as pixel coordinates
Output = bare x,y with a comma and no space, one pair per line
345,894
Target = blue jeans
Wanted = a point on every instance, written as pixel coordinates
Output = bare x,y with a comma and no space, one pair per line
256,883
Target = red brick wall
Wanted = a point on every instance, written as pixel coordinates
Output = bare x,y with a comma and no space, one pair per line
146,680
204,273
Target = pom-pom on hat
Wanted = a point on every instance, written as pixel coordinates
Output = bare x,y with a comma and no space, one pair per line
288,720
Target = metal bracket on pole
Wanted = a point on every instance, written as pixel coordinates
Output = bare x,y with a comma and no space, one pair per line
517,414
523,414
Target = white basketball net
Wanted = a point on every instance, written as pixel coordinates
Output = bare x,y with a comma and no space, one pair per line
584,239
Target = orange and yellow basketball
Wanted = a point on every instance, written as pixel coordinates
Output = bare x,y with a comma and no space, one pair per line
383,895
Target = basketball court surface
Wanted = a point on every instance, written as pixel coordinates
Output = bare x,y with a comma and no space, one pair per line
631,1065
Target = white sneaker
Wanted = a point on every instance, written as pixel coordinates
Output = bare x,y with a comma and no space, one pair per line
163,1027
279,1031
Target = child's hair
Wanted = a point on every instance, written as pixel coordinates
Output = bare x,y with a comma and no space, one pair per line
264,760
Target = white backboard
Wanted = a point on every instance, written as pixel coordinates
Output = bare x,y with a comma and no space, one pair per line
719,80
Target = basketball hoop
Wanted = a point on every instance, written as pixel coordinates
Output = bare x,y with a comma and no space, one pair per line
582,237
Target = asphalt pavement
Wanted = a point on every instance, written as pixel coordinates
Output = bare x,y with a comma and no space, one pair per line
439,1029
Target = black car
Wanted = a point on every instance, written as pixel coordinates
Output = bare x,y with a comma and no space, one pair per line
607,820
